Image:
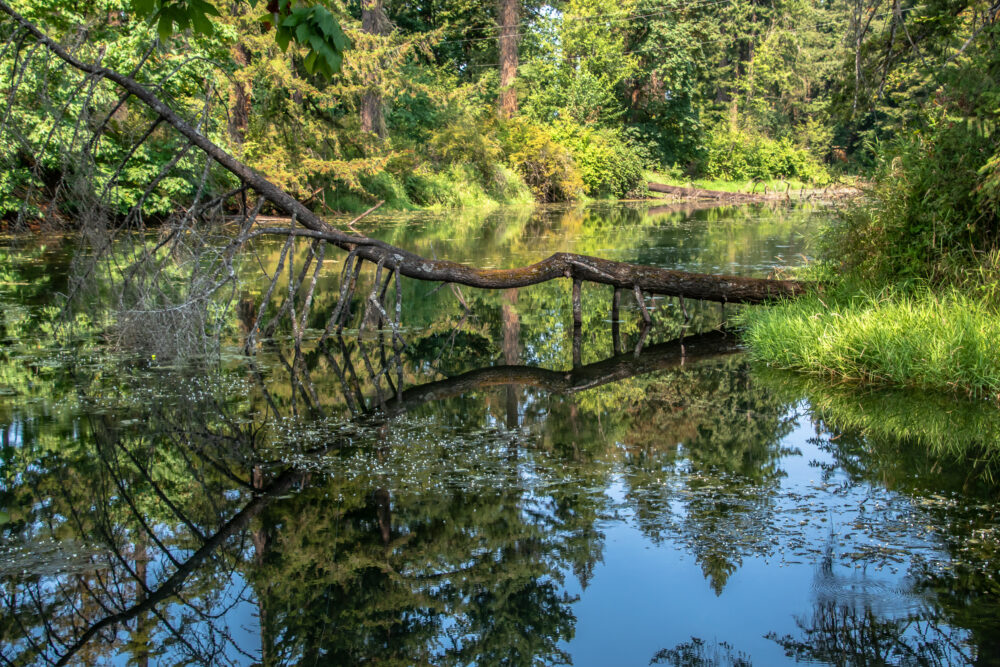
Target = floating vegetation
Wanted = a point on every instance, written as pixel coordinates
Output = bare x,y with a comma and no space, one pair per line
466,503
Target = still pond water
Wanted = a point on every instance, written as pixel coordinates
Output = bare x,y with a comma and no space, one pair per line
493,496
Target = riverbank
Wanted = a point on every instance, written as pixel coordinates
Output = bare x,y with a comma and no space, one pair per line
456,189
936,340
761,190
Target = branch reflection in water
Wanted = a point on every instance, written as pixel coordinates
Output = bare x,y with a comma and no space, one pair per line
309,507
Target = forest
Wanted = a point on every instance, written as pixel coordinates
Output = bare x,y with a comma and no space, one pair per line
528,333
458,104
452,105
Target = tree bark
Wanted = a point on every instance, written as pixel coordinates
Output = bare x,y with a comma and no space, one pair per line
239,98
239,90
374,21
507,21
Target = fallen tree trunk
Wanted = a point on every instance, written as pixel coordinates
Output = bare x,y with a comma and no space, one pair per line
716,195
623,275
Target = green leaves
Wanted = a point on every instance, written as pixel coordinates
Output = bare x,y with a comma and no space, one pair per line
313,27
173,16
316,29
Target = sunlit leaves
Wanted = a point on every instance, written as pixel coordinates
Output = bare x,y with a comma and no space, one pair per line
313,27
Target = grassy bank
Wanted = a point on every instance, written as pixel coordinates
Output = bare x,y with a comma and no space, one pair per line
942,341
746,186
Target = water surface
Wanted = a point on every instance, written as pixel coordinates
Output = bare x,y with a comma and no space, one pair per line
487,496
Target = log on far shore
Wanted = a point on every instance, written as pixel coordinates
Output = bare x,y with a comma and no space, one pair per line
718,195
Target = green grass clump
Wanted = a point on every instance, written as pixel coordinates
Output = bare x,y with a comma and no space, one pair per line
946,341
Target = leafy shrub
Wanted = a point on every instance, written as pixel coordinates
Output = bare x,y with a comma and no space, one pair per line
459,186
931,212
463,139
546,166
608,165
739,154
386,187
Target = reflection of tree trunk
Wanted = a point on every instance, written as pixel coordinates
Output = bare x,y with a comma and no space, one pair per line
511,352
383,502
261,541
373,22
508,56
383,508
246,312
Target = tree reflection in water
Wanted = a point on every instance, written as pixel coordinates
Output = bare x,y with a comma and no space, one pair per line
184,517
849,625
308,508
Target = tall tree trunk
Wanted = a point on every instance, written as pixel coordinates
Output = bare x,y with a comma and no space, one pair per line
509,10
239,91
374,21
239,98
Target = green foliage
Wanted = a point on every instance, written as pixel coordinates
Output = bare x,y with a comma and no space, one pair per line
925,105
942,342
616,86
580,62
605,89
931,212
46,146
546,166
741,154
464,139
314,28
608,166
929,221
172,16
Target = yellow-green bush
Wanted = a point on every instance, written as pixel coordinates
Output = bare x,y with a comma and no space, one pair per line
546,166
741,154
608,166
